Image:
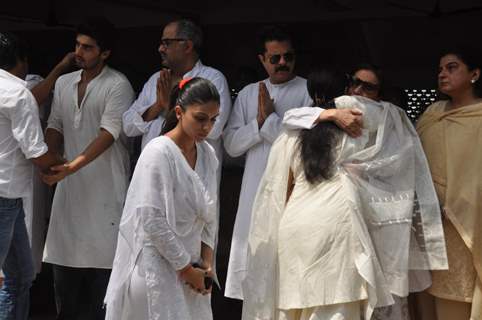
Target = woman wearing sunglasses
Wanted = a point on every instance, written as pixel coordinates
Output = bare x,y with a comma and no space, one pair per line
334,226
164,255
450,131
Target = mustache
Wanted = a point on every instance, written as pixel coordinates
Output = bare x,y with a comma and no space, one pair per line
282,68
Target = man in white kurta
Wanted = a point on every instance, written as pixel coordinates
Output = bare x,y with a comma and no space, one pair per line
87,115
182,60
253,126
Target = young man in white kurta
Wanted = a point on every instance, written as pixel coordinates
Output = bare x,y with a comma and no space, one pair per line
249,133
88,201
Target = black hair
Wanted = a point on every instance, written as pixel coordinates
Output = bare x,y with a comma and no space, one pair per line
317,145
271,33
101,30
12,49
194,91
471,57
187,29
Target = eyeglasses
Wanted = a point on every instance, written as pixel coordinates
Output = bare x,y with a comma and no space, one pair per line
168,41
276,58
355,82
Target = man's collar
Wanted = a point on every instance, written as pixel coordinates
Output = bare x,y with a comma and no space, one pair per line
7,75
198,65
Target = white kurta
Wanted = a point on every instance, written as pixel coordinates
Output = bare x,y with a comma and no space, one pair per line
170,209
134,125
37,207
87,205
304,118
242,135
355,237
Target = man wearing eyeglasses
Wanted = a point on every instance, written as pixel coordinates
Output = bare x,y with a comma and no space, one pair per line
253,126
180,52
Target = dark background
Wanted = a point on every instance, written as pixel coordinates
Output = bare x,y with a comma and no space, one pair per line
403,37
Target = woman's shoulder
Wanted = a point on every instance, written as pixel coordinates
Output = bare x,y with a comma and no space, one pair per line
161,146
438,106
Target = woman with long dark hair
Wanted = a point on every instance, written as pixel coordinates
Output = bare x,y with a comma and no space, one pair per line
334,226
164,258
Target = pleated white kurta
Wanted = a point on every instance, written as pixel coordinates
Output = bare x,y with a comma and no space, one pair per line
170,209
242,135
355,237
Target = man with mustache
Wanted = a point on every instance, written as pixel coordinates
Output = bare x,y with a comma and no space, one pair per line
254,125
180,47
85,126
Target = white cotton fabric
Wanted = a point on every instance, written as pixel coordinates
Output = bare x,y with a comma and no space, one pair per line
170,209
21,136
37,206
394,213
134,125
241,136
87,205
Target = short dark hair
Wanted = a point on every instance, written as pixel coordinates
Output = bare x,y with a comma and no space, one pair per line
12,49
271,33
187,29
471,56
101,30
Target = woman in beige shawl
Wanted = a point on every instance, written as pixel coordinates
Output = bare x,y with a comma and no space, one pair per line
451,134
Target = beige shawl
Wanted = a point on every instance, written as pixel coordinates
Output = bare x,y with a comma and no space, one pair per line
462,131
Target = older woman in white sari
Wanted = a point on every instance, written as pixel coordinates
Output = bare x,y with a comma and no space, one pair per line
337,241
166,237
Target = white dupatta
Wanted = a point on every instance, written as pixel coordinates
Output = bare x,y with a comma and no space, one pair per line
395,209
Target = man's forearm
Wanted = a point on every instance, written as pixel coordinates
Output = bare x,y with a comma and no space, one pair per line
42,90
98,146
54,140
152,112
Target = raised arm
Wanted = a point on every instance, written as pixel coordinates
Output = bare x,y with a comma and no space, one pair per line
42,90
242,131
133,122
349,120
224,108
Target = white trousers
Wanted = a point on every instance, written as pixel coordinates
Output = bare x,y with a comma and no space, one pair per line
342,311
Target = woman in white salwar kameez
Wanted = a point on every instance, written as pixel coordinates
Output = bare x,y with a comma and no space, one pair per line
336,226
166,238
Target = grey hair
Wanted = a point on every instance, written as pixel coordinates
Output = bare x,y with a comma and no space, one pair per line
187,29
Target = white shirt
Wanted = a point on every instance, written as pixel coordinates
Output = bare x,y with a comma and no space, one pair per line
134,124
170,209
21,136
88,204
242,135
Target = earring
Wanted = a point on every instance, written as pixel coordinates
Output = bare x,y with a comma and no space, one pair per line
473,80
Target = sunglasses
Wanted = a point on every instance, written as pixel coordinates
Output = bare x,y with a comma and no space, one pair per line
354,82
276,58
168,41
